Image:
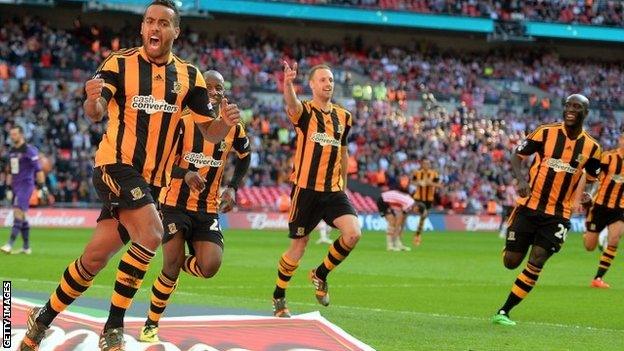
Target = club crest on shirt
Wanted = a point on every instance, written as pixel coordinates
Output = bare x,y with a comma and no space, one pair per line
581,158
340,129
177,88
222,146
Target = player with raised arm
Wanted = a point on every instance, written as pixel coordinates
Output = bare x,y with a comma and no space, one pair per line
320,178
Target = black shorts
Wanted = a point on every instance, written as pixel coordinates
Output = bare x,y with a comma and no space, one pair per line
195,226
309,207
120,186
124,179
600,216
384,208
529,227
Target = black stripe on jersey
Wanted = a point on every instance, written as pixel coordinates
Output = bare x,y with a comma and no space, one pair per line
142,118
171,76
192,74
618,169
317,151
120,98
541,157
302,124
334,152
550,175
198,146
210,178
567,180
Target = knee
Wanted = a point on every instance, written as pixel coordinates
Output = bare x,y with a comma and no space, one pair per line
352,236
209,269
151,235
94,261
511,262
590,241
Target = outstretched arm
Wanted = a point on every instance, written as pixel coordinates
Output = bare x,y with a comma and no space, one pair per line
293,105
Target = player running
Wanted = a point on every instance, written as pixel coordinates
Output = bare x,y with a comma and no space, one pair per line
190,206
607,211
541,218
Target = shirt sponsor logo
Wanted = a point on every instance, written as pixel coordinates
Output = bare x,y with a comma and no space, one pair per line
559,166
618,178
150,105
324,139
200,160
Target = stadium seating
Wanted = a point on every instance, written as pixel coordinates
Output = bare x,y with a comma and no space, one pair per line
446,119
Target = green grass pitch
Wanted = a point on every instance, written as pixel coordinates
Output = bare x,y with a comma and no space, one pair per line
438,297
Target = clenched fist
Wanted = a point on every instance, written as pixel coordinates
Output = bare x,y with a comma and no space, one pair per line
93,88
195,181
229,113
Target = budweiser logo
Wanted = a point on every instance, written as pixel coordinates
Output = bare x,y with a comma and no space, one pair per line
263,221
476,223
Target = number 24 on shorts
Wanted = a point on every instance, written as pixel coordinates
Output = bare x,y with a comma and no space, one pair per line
562,233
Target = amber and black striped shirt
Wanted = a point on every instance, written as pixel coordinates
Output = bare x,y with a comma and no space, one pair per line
193,153
320,139
611,181
145,103
425,192
557,167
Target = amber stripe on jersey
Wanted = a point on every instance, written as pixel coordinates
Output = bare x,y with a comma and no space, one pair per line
195,154
425,192
145,103
320,137
557,169
611,181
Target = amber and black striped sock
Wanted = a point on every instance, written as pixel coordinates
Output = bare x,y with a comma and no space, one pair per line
75,281
162,289
285,270
421,224
522,286
608,255
192,267
338,251
130,273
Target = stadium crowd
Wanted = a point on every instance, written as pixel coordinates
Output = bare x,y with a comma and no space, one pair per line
593,12
42,70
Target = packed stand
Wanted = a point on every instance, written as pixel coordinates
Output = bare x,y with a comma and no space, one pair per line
470,149
590,12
